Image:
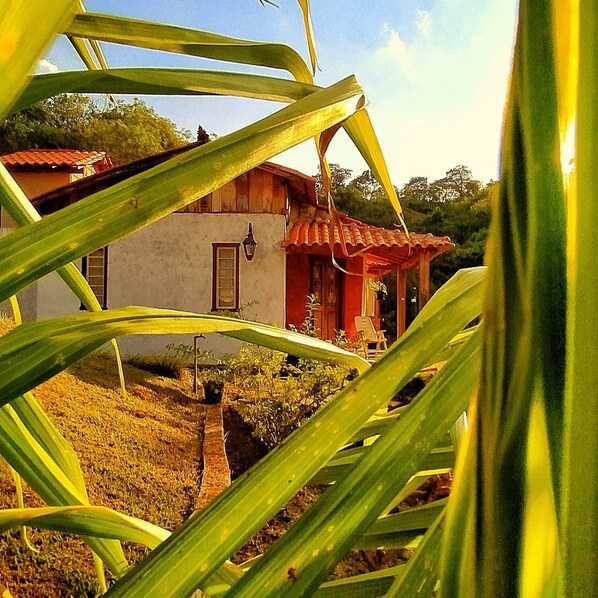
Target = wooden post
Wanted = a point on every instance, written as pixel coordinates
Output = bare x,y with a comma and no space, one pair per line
401,301
424,280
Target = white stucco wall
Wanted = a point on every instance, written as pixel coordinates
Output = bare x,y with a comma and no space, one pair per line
169,265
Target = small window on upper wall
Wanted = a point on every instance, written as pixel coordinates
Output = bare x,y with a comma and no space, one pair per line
225,276
95,269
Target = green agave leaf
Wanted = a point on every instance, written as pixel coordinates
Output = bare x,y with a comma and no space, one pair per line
21,504
26,456
459,548
94,44
579,529
323,535
309,33
22,211
86,520
421,572
262,491
24,37
42,247
401,529
524,328
163,81
361,131
167,38
84,52
28,411
376,425
361,586
45,433
341,464
35,351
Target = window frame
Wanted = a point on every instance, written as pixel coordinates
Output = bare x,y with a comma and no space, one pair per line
215,248
84,264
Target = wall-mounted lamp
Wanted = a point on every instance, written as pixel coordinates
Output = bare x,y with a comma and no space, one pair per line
249,244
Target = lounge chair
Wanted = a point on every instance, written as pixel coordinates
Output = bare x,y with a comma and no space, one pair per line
374,341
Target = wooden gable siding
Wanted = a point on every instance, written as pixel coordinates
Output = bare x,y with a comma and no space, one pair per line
257,191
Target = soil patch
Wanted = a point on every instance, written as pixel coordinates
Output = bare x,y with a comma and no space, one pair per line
242,449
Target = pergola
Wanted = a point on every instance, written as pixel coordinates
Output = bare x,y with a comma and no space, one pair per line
381,251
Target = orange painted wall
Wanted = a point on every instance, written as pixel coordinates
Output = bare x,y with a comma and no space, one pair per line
298,273
352,295
297,287
35,183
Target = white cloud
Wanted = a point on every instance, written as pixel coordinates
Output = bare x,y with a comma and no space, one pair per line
45,66
424,23
395,53
444,106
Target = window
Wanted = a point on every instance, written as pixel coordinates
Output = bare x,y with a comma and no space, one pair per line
95,270
225,276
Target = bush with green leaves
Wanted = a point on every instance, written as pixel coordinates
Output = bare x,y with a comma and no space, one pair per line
274,396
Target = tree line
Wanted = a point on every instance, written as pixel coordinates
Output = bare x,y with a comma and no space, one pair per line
126,130
456,205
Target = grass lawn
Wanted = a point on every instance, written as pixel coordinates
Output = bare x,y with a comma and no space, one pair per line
139,455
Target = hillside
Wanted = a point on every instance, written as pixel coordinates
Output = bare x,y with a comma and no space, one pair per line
139,456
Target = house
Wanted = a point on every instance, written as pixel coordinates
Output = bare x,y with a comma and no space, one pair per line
256,247
38,171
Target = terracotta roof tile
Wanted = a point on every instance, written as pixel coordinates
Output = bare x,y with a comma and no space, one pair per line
358,234
55,158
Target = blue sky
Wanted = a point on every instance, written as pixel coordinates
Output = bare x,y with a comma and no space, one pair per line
435,72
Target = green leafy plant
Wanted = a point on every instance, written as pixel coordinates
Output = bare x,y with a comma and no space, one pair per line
273,396
378,286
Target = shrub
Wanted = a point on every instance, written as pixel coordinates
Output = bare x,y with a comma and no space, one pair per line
274,396
170,364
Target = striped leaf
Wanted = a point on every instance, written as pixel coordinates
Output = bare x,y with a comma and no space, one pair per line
85,520
26,456
168,38
36,351
524,338
579,516
421,572
361,586
163,81
22,211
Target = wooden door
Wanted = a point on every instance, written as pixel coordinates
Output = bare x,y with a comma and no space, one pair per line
325,287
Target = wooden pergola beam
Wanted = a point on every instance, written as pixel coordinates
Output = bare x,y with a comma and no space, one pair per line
424,280
401,301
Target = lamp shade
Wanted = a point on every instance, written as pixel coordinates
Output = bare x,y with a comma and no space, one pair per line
249,244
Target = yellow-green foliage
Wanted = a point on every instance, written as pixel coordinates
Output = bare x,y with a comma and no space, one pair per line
274,396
